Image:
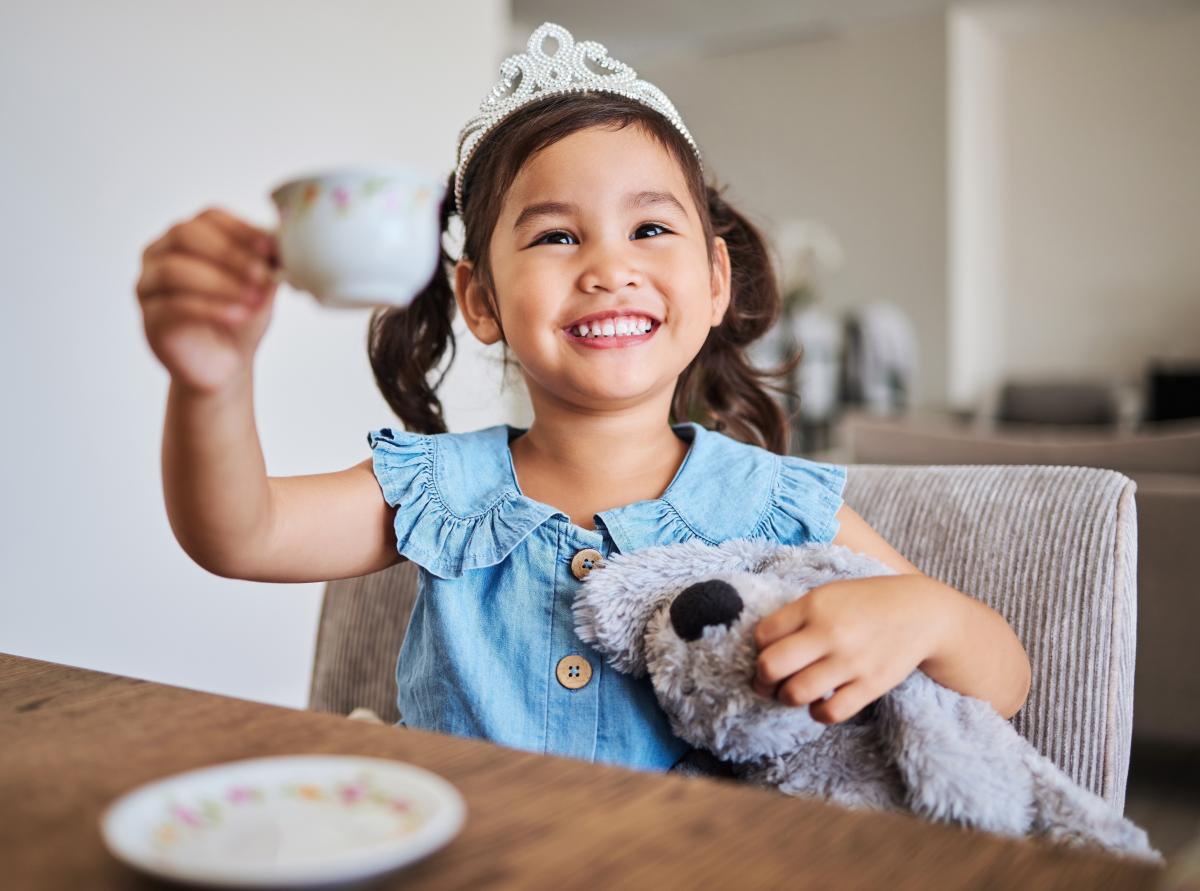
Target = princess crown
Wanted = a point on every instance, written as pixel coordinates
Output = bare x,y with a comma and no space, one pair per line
533,75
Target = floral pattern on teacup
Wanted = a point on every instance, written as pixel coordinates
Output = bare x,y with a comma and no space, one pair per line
343,197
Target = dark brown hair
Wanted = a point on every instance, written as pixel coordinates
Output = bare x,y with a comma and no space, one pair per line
719,388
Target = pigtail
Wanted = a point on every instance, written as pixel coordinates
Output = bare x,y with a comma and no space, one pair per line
406,343
721,386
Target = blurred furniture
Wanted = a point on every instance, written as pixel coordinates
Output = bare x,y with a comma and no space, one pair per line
1052,549
1168,391
74,740
1164,462
1057,402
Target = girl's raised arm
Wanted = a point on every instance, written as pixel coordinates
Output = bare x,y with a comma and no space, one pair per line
235,521
206,293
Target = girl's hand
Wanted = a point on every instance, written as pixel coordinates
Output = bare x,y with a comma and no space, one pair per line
206,291
858,638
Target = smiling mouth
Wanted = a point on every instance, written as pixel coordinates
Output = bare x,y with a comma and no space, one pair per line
610,333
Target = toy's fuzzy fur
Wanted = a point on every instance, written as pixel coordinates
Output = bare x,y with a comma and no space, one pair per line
921,747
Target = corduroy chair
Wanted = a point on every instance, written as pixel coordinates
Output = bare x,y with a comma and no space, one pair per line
1052,549
1164,461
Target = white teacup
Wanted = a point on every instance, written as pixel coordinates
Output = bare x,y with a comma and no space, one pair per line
360,236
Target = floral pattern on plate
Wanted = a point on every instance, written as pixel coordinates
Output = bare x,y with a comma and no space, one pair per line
182,818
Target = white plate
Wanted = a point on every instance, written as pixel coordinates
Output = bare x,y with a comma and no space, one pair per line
295,820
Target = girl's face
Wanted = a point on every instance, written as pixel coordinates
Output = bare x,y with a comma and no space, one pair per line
599,230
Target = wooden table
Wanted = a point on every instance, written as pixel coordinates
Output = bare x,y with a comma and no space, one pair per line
72,740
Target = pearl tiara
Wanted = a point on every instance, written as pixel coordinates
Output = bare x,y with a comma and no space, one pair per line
533,75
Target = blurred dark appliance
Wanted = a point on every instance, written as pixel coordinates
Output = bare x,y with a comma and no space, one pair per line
1173,390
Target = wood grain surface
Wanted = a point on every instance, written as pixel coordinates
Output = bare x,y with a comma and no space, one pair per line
73,740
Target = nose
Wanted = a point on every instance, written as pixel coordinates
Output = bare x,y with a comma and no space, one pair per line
609,268
711,602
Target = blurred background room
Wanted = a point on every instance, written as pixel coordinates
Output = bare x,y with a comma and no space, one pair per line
985,217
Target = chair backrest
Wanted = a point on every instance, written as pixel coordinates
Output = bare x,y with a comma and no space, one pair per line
1052,549
363,622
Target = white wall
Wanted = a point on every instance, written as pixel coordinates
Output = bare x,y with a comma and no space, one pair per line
1081,255
1104,161
119,119
848,129
1024,183
978,289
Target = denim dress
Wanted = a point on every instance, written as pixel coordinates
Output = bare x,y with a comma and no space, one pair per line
491,651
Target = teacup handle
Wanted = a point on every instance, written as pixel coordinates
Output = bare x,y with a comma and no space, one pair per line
281,274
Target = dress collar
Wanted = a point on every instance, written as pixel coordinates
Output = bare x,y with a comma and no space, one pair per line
720,491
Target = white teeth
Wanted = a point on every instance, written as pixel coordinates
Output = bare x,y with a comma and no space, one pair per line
624,326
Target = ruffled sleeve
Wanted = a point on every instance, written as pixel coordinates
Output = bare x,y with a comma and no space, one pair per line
804,500
476,522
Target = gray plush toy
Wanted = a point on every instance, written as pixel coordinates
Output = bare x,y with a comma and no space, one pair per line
686,614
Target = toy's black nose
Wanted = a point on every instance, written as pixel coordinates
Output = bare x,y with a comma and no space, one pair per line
711,602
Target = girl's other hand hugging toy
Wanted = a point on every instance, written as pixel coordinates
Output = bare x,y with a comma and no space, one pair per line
626,289
856,639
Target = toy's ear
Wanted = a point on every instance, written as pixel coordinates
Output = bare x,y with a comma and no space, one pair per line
617,599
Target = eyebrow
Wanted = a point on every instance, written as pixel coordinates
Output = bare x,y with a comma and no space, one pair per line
645,198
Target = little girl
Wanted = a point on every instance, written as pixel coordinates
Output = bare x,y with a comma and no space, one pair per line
627,290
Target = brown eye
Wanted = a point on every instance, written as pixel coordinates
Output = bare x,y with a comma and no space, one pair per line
653,226
556,233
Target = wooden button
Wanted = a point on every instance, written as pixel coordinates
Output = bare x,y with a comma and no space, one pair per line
573,672
585,561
